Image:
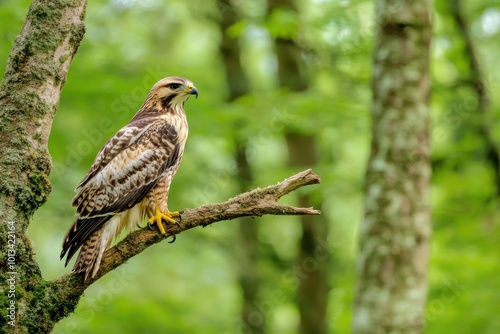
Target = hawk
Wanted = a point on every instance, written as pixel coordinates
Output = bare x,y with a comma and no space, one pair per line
131,175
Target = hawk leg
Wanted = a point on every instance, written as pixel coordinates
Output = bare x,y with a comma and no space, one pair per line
166,216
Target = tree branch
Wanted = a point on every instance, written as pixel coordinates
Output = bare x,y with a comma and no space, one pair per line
256,203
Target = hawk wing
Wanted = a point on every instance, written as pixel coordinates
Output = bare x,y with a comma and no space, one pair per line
125,170
123,138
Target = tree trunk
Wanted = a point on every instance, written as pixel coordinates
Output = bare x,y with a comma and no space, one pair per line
395,233
230,51
29,96
248,231
249,277
477,83
312,296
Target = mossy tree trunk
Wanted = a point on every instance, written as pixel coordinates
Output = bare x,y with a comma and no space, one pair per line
29,96
392,263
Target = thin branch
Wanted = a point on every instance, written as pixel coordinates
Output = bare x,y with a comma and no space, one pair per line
256,203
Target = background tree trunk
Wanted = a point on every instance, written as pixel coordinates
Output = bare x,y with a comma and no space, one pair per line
237,82
395,233
312,295
477,82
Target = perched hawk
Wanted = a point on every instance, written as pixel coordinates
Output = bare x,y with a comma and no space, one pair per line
130,177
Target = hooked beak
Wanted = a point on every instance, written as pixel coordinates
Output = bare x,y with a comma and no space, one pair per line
193,91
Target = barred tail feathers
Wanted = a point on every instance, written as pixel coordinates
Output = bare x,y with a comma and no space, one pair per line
89,259
90,255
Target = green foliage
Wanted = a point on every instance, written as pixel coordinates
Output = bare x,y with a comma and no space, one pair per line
191,286
283,23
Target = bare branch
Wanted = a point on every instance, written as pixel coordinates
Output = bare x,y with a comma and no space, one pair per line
256,203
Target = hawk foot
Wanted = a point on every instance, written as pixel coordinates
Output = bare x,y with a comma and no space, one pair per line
166,216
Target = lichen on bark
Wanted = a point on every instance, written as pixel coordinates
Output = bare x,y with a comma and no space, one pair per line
392,263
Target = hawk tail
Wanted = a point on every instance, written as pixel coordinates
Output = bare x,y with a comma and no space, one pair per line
89,259
85,233
95,237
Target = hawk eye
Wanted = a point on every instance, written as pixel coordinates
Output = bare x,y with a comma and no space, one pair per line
174,86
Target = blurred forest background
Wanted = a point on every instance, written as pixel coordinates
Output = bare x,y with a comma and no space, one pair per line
254,125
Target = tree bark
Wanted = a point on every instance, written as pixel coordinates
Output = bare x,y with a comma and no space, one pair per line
312,295
29,96
392,263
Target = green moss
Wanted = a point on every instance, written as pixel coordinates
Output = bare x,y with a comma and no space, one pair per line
22,106
33,188
45,18
40,187
46,35
4,303
31,196
77,32
38,310
48,303
63,59
38,136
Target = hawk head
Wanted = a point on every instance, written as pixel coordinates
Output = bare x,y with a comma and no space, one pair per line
170,92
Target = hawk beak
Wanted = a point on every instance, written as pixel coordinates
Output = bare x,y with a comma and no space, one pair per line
193,91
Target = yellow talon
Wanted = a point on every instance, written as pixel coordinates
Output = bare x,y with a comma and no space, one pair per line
167,216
